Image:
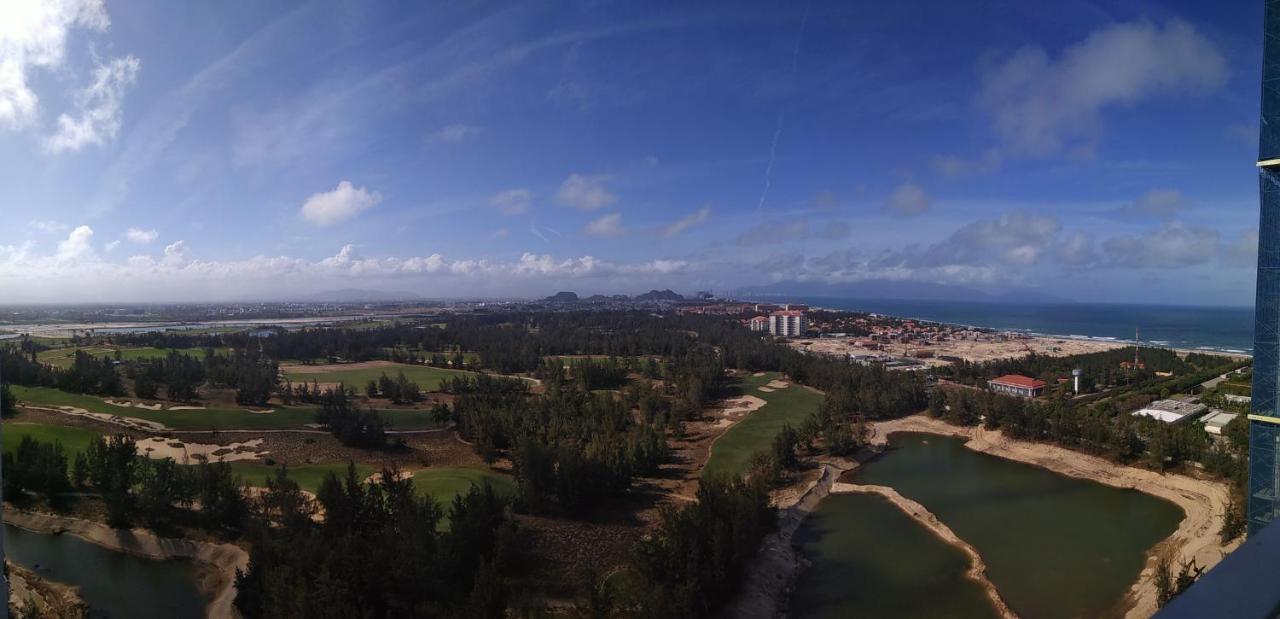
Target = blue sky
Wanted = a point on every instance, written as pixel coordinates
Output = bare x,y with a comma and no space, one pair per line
170,151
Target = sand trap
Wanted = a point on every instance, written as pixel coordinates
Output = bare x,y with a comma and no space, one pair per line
758,374
778,384
128,404
128,422
186,408
740,406
335,367
401,475
157,448
766,389
1203,501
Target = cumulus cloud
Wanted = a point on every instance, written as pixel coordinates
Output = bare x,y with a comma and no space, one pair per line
587,193
140,236
511,201
909,199
33,35
342,203
1018,238
456,133
1157,203
1040,105
608,225
49,226
695,218
1174,244
77,245
99,108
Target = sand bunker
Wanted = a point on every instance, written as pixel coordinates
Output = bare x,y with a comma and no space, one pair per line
778,384
157,447
766,389
128,422
334,367
128,404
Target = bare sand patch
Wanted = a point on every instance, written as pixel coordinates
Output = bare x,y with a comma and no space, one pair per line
977,351
157,447
1203,501
128,422
130,404
765,389
758,374
977,567
778,384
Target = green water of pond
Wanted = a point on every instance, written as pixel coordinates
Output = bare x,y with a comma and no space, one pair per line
872,560
1056,547
113,584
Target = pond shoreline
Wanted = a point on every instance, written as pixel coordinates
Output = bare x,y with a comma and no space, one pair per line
216,563
1203,502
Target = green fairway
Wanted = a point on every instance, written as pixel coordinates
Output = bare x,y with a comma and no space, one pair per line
308,476
731,453
446,482
63,357
211,418
74,440
427,377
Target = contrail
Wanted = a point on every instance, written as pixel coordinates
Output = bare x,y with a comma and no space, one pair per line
777,129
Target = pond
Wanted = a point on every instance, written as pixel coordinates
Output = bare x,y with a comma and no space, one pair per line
1055,546
113,584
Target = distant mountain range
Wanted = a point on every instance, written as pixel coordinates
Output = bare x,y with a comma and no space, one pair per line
566,297
901,290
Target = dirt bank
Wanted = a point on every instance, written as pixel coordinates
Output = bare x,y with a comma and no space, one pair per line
1204,502
33,596
219,561
977,567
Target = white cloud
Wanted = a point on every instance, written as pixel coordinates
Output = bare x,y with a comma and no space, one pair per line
140,236
1157,203
342,203
585,192
77,245
608,225
1175,244
110,247
456,133
100,108
511,201
1041,105
33,35
47,226
175,254
909,199
695,218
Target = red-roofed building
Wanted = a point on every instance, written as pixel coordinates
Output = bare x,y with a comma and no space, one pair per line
1017,384
759,323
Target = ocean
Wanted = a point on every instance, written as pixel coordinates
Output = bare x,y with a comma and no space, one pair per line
1228,329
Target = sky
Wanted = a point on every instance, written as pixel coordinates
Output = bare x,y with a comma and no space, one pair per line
166,151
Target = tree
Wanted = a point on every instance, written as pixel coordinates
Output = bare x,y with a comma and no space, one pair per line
371,389
145,388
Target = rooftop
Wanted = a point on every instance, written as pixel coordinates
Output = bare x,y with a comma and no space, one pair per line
1018,380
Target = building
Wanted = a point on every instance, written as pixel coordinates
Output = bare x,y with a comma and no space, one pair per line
1264,418
788,323
1217,420
1172,411
759,323
1016,384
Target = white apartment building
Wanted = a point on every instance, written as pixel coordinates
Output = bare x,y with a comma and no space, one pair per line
788,323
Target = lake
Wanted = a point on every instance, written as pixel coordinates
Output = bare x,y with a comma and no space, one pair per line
1056,547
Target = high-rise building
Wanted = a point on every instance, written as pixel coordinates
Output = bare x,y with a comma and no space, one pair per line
1264,422
788,323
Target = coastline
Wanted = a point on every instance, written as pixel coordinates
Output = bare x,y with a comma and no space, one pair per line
1203,502
217,563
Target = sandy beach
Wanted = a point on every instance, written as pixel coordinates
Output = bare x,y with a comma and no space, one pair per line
976,351
1203,502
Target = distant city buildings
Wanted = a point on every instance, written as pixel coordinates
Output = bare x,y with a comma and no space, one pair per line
788,323
759,323
1017,385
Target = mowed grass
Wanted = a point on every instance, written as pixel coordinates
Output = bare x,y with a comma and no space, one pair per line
427,377
212,418
64,357
731,453
444,483
74,440
307,476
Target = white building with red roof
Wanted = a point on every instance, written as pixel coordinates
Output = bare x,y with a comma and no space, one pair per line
1017,384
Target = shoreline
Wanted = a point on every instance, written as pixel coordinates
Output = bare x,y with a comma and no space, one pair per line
977,571
219,561
1203,502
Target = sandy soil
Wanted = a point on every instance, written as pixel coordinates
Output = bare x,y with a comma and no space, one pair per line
33,596
969,350
977,567
158,447
127,422
778,384
333,367
1203,501
225,559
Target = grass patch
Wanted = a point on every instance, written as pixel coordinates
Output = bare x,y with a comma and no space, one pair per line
427,377
308,476
731,453
74,440
444,483
211,418
64,357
